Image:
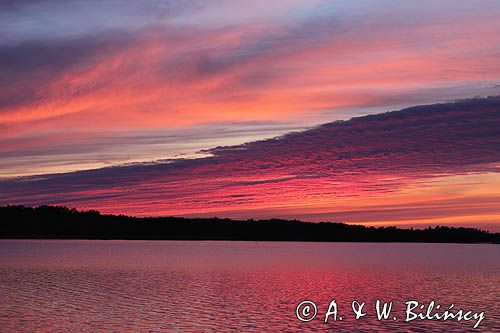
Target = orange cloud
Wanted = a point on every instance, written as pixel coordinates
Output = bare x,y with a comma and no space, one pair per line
422,164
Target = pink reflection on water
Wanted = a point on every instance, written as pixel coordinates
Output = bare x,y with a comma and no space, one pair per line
236,286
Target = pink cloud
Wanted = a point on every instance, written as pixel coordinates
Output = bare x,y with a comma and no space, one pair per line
363,158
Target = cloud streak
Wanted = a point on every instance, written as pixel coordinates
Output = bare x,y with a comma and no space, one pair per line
365,158
87,84
166,65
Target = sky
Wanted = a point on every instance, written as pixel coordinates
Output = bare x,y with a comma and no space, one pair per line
243,109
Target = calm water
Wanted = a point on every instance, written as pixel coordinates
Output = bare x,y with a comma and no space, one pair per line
139,286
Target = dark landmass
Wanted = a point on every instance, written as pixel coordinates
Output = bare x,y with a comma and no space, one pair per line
49,222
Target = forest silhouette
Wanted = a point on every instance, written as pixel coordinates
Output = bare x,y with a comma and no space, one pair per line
55,222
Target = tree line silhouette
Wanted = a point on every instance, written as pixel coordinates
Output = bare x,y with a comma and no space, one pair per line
56,222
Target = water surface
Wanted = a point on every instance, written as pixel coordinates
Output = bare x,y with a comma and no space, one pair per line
176,286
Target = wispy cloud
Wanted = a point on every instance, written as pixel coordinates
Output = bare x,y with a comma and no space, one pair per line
92,83
91,67
365,157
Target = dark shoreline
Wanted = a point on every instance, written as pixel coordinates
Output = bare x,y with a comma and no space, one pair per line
61,223
236,240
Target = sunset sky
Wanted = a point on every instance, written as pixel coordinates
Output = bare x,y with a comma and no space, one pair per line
181,108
